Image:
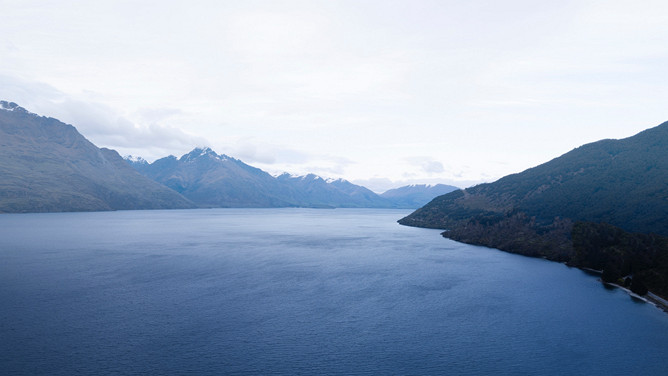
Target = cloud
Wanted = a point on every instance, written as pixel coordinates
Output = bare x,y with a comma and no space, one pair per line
100,123
26,93
323,171
152,115
10,47
106,126
250,154
427,164
251,150
455,81
328,165
433,167
277,159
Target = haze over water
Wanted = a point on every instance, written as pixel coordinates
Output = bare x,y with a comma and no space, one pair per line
300,291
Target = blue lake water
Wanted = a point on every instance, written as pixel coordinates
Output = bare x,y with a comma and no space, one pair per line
300,291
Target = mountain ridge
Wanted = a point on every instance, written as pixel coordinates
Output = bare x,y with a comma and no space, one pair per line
48,166
618,183
417,195
217,180
609,163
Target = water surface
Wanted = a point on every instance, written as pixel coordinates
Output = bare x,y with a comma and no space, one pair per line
300,291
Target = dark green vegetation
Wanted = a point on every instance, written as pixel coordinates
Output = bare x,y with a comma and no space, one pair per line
47,166
620,254
623,183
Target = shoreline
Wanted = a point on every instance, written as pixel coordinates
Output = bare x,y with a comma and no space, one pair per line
658,301
650,297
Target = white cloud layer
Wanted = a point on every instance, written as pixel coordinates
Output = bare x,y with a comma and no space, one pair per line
100,123
377,91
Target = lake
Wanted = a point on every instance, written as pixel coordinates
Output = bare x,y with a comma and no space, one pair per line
300,291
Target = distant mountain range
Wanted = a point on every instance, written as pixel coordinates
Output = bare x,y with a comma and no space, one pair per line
588,207
417,195
47,166
212,180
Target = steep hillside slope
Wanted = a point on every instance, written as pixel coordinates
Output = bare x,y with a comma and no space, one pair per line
212,180
621,182
47,166
593,203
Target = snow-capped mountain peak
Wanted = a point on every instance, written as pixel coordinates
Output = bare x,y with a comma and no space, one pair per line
337,181
11,106
203,152
137,159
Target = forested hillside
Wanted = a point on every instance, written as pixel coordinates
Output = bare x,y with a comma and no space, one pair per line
623,183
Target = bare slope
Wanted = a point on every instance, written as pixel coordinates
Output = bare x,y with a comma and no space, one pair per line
47,166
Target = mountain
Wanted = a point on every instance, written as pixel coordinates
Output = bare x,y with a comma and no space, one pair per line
212,180
416,195
312,190
621,182
556,210
48,166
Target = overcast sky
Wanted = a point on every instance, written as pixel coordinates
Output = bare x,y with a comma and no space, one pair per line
382,93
